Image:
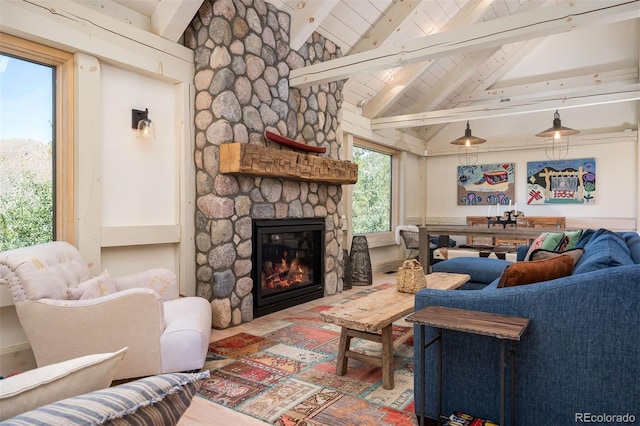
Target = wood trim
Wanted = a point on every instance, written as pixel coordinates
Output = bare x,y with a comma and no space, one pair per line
372,146
64,113
78,28
120,236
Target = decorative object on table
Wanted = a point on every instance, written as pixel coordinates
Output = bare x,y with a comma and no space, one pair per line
556,145
468,147
411,277
361,273
562,182
487,185
509,217
347,278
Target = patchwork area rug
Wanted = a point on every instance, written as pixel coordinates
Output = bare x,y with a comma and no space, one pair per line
284,374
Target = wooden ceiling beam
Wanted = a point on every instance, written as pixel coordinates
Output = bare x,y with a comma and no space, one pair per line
600,95
306,17
539,86
546,21
408,75
170,18
392,20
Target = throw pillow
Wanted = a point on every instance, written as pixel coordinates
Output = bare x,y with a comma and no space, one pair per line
540,254
157,400
44,385
520,273
555,241
92,288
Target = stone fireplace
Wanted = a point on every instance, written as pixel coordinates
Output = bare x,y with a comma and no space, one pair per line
242,63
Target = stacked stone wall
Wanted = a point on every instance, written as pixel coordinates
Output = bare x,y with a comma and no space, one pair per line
242,63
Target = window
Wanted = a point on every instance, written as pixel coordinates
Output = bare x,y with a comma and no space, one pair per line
372,207
36,144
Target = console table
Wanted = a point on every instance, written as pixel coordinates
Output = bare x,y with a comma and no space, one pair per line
501,327
445,230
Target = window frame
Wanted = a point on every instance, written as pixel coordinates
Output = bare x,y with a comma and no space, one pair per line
385,238
63,168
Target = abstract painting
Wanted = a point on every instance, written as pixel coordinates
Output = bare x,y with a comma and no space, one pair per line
486,184
562,181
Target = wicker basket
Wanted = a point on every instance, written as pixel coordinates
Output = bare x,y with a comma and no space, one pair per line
411,277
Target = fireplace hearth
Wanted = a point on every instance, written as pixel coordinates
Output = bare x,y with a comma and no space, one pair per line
288,263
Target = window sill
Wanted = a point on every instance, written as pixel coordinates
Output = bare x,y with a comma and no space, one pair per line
380,239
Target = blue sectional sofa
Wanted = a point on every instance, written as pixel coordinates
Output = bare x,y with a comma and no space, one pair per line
579,355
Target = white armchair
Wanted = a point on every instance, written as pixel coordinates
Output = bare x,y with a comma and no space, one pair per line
66,313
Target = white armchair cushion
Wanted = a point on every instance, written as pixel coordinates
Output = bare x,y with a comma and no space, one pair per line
161,280
185,339
92,288
45,385
44,270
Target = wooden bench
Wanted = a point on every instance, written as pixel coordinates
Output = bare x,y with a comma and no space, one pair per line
371,318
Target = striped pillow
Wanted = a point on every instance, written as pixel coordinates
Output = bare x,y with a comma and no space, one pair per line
157,400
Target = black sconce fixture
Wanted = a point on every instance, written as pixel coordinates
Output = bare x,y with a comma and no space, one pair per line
141,122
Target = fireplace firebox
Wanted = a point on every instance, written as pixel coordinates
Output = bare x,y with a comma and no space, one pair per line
288,263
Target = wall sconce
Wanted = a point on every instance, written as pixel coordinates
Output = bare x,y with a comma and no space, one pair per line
468,147
556,146
141,122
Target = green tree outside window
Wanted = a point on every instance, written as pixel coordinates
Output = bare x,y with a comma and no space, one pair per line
372,192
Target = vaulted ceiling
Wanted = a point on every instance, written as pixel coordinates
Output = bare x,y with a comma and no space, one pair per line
417,65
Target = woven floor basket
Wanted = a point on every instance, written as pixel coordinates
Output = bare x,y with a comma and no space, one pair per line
411,277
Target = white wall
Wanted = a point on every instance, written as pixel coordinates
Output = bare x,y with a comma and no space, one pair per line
139,175
616,185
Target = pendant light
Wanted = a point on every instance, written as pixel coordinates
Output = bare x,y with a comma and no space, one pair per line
556,145
468,147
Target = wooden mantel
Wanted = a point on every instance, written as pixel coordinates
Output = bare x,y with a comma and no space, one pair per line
242,158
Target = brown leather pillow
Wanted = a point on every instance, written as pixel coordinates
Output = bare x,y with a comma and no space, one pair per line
534,271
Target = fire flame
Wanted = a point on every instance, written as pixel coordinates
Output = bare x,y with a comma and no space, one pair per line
284,274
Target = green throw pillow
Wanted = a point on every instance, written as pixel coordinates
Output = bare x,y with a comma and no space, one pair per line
555,241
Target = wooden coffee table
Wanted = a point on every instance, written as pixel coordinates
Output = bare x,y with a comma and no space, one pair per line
371,318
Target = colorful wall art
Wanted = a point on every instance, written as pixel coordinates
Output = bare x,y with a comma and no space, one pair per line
486,184
562,181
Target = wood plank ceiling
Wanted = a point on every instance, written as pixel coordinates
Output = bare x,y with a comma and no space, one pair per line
416,65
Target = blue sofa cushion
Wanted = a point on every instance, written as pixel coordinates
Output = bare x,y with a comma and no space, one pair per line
481,269
633,242
604,249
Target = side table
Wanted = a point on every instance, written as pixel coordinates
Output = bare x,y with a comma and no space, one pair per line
502,327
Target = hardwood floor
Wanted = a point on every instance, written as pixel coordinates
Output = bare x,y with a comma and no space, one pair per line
204,412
